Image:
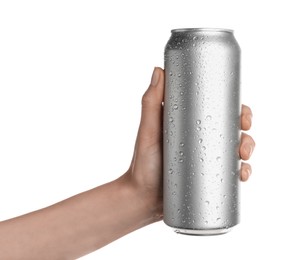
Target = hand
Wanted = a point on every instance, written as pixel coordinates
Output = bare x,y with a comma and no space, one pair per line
145,170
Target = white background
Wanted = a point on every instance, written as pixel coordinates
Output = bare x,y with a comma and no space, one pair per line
72,74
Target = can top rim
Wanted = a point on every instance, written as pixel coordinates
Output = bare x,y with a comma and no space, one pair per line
202,30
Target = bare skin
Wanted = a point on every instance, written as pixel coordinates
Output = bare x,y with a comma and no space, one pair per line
92,219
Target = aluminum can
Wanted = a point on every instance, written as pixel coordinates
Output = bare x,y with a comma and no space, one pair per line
201,131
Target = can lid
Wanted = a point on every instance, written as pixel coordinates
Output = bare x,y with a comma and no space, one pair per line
202,30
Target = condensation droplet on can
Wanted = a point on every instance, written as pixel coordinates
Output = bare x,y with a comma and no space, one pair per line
208,117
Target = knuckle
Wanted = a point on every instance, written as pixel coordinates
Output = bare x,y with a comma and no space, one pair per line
146,99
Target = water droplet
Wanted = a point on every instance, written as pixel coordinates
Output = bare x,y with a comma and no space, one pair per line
207,202
171,119
174,193
203,148
194,38
208,117
198,122
182,93
181,160
181,153
199,140
198,128
197,93
192,173
221,180
218,158
170,73
190,72
206,222
182,144
232,73
201,159
224,196
193,44
202,174
175,106
179,211
170,171
196,83
218,219
179,75
217,207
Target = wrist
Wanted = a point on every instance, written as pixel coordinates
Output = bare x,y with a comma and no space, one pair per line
145,201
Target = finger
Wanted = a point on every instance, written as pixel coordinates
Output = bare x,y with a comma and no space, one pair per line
246,147
246,117
245,171
151,115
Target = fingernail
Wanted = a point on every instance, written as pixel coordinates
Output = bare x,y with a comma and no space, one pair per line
155,77
248,172
248,149
248,118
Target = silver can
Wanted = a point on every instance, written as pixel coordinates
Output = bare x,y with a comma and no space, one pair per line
201,131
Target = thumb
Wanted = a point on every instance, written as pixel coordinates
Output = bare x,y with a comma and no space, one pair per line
151,116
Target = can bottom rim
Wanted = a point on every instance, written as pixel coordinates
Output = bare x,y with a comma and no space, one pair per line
202,232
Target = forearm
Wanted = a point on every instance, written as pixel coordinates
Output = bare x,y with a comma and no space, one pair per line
76,226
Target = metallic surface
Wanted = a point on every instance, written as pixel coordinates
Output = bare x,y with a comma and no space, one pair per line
201,131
